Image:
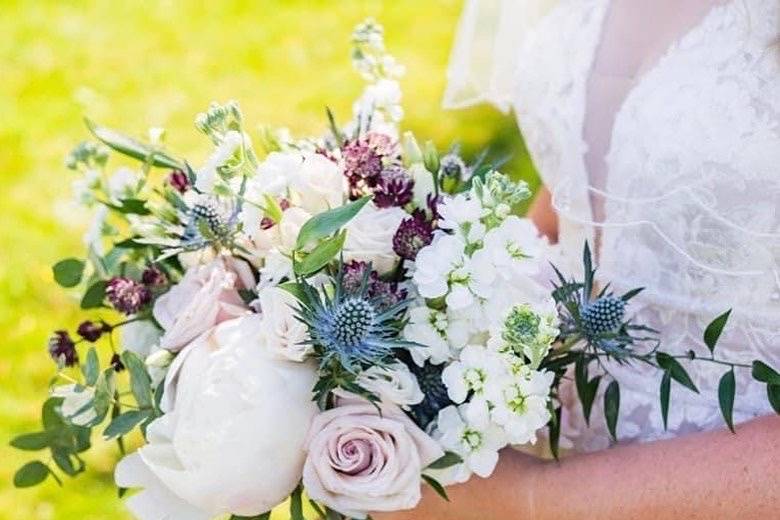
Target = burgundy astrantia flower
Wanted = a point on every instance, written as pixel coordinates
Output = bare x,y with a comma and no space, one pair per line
413,234
153,276
364,159
388,293
116,363
126,295
394,188
91,331
62,349
179,181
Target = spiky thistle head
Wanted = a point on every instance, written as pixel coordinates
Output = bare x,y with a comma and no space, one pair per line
350,328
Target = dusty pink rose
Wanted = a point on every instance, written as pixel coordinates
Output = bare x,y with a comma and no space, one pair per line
359,461
207,295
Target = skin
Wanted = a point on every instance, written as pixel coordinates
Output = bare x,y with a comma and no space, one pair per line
711,475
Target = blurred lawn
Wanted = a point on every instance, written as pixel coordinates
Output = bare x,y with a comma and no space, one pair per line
140,64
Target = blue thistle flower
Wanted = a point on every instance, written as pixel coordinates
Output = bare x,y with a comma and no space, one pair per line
604,315
350,328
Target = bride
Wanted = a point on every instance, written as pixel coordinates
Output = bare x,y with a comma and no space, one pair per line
656,129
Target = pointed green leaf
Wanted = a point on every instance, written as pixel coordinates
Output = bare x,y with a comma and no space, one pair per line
94,296
132,147
726,390
31,441
131,207
436,487
296,504
764,373
31,474
666,387
328,222
612,407
676,370
63,458
321,255
554,427
447,460
68,272
713,331
773,394
586,389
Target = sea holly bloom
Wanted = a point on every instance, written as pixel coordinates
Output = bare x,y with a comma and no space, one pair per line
519,404
475,371
126,295
467,431
62,349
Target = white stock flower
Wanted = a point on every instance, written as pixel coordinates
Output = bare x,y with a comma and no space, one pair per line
461,215
443,268
232,440
75,399
206,176
84,187
370,236
519,404
384,96
282,333
476,370
428,327
93,238
467,431
394,384
515,247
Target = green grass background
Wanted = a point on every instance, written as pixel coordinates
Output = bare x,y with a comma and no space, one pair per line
140,64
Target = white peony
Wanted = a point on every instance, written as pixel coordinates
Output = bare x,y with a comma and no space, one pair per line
282,333
370,236
233,438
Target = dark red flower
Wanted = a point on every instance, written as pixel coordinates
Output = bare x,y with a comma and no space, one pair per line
62,349
394,188
126,295
91,331
179,181
153,276
413,234
364,159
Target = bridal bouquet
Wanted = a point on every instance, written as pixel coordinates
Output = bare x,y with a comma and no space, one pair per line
351,316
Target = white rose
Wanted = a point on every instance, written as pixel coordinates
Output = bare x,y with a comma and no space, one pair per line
282,333
140,337
370,236
233,438
393,384
319,185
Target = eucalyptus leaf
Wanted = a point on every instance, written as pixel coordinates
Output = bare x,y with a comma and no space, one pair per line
31,441
140,383
328,222
31,474
91,368
68,272
124,423
132,147
62,458
727,388
612,407
94,296
676,370
714,329
666,388
321,255
436,487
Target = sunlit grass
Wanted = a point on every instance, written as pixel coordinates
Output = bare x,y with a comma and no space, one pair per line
140,64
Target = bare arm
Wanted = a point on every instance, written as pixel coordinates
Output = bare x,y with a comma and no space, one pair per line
543,215
715,475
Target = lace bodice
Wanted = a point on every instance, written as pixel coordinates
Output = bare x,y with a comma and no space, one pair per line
691,199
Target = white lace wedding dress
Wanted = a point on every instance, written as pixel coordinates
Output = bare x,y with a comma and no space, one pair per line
667,153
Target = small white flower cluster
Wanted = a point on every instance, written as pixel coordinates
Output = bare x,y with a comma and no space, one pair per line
379,107
485,316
